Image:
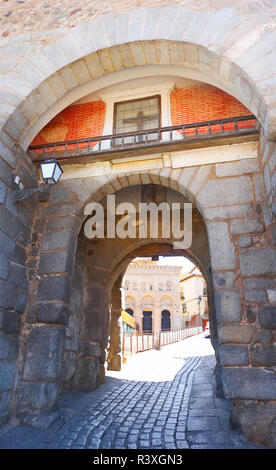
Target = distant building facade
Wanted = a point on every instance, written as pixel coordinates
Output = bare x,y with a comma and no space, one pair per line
194,301
151,294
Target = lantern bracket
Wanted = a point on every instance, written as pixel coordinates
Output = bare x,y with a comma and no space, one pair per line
51,173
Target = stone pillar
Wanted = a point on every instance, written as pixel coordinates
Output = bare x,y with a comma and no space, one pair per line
51,257
16,221
93,332
156,324
243,271
138,315
114,349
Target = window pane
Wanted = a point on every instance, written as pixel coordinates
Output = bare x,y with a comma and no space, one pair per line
137,115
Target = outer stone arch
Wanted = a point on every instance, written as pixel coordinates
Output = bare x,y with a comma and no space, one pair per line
133,60
86,53
177,25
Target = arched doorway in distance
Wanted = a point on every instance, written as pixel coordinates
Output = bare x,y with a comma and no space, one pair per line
147,321
130,311
165,320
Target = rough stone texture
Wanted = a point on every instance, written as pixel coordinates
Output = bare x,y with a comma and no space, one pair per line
52,313
241,334
15,234
249,383
224,279
68,368
10,322
21,18
54,288
246,226
222,250
231,191
36,397
45,346
271,295
90,349
267,317
4,407
7,371
87,375
255,296
236,168
262,336
234,355
263,355
256,421
56,262
40,421
4,347
258,261
258,283
228,306
245,241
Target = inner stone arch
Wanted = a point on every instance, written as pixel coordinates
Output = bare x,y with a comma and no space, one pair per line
151,249
104,262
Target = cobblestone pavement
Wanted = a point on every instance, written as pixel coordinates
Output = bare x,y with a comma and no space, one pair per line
176,409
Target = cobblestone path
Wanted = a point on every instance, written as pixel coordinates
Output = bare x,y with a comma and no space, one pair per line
143,415
161,400
179,414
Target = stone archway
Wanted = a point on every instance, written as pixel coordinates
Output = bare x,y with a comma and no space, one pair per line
238,210
235,324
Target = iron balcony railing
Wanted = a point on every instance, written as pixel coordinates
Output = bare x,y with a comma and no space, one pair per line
145,139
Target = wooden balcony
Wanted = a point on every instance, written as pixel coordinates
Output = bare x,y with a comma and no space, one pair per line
150,141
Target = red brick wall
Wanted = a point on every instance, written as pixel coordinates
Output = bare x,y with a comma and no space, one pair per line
75,122
204,103
188,105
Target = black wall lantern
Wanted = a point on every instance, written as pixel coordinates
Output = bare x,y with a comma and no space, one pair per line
50,172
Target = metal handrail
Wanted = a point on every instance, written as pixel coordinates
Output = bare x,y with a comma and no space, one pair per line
151,137
141,341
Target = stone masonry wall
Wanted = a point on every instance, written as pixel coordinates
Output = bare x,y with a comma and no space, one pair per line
16,220
26,17
72,340
232,198
39,69
50,269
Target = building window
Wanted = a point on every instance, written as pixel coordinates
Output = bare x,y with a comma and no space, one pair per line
137,115
169,285
130,311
